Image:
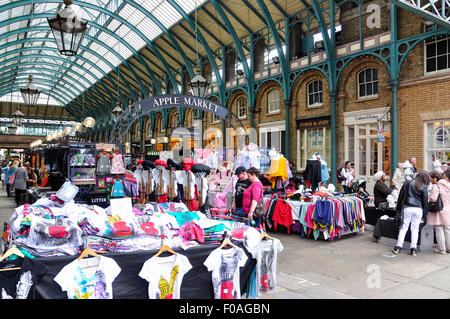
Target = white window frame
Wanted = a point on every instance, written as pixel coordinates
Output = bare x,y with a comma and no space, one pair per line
308,93
272,102
215,118
265,128
242,105
425,58
371,82
426,149
162,129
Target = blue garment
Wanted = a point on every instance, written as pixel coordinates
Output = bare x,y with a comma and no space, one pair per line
323,213
9,173
324,172
118,189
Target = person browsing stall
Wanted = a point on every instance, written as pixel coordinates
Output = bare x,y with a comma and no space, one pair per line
253,195
380,190
241,185
348,176
441,220
412,209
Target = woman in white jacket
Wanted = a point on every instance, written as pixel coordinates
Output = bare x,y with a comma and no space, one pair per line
441,220
348,175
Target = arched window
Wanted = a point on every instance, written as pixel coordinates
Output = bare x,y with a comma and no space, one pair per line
176,120
259,53
368,83
314,93
242,107
273,101
230,66
161,125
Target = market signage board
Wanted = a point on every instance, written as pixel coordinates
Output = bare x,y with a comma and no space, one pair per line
156,103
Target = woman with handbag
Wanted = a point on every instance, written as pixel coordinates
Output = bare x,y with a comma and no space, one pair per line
9,179
252,198
439,216
412,208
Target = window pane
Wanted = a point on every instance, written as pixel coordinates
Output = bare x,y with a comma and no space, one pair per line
320,84
442,47
362,157
362,90
368,75
375,74
369,89
431,50
361,77
442,62
375,87
431,65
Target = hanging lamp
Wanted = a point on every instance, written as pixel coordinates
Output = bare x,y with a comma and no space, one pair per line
68,30
30,93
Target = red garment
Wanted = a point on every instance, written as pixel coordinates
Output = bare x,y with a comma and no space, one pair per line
192,205
283,215
162,199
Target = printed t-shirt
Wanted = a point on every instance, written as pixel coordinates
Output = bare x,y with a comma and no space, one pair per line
224,265
89,283
266,255
165,275
240,187
253,192
20,284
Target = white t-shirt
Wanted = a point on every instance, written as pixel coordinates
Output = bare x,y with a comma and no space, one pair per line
225,264
265,253
165,275
89,283
348,175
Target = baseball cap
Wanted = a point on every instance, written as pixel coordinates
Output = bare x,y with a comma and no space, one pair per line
240,170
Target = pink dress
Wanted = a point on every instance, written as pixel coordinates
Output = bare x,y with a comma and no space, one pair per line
117,166
442,217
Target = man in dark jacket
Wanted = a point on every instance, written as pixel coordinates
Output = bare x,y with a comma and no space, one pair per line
380,190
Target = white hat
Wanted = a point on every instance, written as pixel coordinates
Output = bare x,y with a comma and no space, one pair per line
378,175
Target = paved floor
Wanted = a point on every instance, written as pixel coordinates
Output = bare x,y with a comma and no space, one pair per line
352,267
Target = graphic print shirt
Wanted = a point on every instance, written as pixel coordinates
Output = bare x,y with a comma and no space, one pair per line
89,278
165,275
265,253
225,264
20,284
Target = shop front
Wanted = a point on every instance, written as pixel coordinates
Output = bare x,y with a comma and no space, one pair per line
313,136
363,145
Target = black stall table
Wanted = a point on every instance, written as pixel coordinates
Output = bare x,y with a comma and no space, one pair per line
386,232
197,283
372,214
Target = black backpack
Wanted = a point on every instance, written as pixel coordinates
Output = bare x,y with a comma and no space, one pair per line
339,176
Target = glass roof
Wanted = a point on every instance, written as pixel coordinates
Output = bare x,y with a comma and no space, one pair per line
88,67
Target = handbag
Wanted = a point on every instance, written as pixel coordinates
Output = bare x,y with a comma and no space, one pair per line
259,209
437,206
12,178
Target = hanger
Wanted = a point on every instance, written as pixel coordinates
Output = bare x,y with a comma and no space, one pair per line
12,251
9,252
88,251
227,241
163,249
265,235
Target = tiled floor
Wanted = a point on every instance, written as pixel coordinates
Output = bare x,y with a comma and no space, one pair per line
351,267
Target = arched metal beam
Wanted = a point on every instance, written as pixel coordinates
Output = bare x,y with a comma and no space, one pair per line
38,78
57,93
187,62
24,70
87,36
237,43
46,28
205,45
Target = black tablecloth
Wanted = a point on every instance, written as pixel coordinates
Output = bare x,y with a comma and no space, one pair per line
373,214
197,283
387,228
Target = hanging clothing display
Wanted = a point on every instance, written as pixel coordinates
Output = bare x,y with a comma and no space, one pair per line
89,278
266,255
117,190
165,275
21,283
224,265
117,165
278,169
103,165
313,173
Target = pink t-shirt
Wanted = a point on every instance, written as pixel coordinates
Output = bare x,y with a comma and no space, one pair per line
253,192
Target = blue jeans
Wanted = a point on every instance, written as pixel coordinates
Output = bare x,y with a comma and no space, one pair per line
240,213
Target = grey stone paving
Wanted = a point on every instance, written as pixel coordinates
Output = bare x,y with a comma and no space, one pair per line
345,268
